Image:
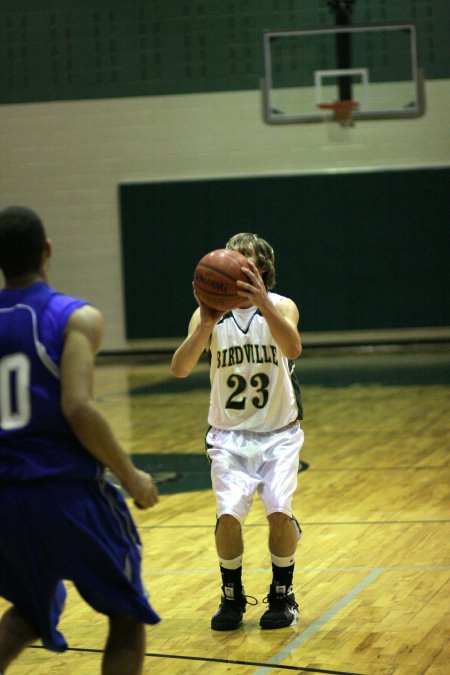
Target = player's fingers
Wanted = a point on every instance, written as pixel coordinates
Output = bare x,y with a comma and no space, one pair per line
254,275
150,501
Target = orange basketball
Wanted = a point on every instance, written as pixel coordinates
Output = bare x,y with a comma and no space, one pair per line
215,278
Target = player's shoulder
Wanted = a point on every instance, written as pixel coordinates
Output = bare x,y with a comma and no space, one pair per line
86,322
279,299
86,315
285,305
61,304
276,297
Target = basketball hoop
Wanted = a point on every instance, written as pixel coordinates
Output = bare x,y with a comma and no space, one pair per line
342,111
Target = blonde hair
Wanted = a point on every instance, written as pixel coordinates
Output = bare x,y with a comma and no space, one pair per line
253,246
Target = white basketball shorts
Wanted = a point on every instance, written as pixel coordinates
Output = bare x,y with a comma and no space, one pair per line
245,462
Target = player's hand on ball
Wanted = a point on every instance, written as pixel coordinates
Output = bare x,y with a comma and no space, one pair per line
253,289
207,313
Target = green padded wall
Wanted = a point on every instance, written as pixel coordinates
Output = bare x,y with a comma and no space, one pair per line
79,49
355,251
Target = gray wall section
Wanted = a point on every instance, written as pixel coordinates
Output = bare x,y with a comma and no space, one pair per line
355,251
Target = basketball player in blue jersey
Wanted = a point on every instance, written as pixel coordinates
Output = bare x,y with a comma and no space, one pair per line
60,518
255,436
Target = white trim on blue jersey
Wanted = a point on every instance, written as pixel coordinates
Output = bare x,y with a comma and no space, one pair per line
40,348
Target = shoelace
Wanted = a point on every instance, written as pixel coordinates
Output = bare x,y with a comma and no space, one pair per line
247,599
279,599
253,598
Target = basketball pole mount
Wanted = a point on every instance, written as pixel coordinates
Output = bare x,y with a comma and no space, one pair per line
342,10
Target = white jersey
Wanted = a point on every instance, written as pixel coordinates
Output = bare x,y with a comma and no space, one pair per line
253,386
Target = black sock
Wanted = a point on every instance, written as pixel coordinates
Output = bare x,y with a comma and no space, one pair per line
282,576
232,579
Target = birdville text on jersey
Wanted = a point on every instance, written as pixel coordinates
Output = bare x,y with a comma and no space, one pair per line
251,353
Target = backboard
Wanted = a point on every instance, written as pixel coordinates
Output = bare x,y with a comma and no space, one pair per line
304,68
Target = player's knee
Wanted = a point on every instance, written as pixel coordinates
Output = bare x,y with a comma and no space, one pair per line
278,520
228,523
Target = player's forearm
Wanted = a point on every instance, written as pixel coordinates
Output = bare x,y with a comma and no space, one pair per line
95,434
283,332
188,353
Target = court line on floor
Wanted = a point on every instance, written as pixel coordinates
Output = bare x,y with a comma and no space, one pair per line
305,635
367,469
309,632
260,570
313,524
207,659
321,621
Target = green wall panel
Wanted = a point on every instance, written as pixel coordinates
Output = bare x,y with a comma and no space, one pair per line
355,251
78,49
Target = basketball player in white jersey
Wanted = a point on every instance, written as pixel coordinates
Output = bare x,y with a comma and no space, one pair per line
255,436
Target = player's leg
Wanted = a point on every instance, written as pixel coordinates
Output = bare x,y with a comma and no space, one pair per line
284,534
283,539
28,579
15,634
230,547
280,482
125,647
229,542
233,490
108,575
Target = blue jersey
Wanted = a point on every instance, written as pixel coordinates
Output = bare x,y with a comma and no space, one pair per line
35,439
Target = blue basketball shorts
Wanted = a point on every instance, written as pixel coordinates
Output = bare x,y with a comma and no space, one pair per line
80,531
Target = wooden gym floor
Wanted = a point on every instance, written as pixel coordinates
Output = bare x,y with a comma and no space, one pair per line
373,569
